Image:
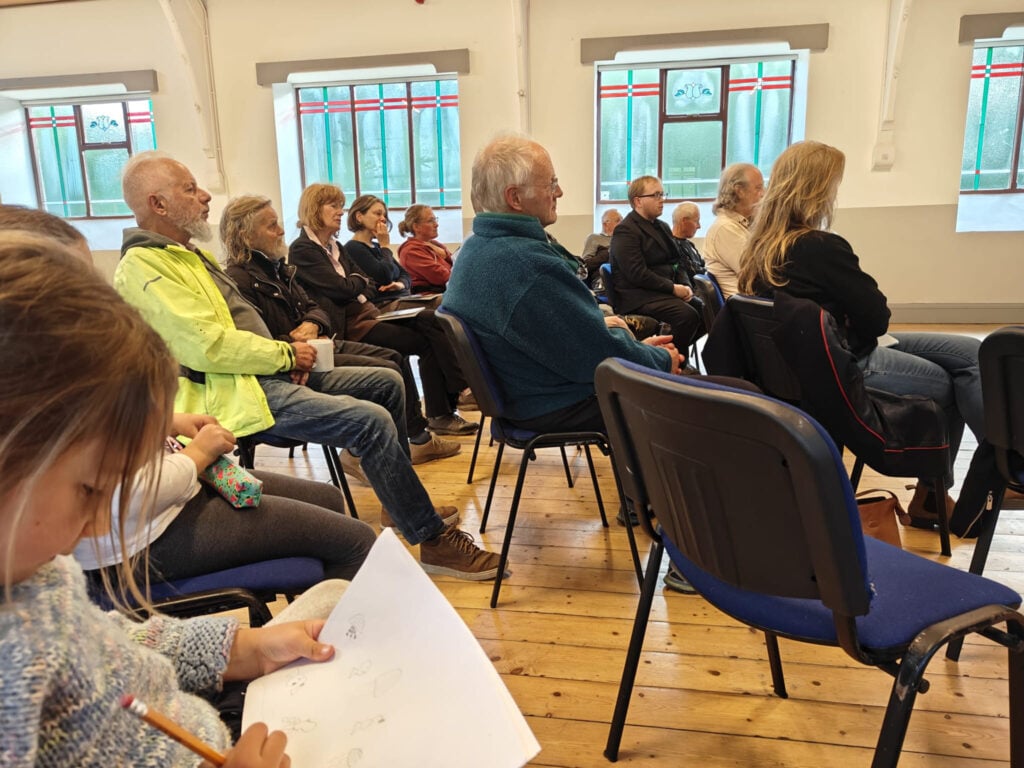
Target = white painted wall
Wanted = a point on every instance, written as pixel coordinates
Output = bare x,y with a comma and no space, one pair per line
844,91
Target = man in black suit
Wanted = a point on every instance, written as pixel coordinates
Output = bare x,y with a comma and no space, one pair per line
650,278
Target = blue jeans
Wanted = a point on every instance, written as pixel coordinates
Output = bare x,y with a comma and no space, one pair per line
940,366
362,409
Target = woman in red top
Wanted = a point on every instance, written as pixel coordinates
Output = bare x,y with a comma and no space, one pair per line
427,261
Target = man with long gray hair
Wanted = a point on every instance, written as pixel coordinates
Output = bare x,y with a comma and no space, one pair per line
740,189
253,239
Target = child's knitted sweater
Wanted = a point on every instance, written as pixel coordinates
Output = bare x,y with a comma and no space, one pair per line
64,665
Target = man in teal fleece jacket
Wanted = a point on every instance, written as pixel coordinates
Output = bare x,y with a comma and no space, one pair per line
538,324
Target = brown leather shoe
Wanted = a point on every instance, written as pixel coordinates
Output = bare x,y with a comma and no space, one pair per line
454,553
922,510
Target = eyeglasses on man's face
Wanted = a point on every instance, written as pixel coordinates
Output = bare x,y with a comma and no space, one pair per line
655,195
551,186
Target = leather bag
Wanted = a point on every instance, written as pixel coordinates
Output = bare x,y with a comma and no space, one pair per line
879,510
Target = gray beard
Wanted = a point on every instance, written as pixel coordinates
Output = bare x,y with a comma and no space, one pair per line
198,229
278,251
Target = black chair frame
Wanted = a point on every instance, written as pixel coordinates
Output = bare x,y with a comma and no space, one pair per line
668,447
246,449
488,395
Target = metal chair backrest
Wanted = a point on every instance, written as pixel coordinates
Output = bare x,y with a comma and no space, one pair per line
755,318
707,291
1002,380
473,363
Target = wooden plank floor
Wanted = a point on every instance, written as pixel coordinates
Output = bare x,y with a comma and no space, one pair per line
703,694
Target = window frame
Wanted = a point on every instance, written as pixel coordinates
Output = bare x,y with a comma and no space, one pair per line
83,145
409,104
1015,153
722,115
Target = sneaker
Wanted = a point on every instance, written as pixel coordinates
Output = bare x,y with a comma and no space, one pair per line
353,467
467,402
449,516
675,581
621,517
434,448
454,553
452,424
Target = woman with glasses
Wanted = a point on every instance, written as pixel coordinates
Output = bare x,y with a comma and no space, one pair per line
423,256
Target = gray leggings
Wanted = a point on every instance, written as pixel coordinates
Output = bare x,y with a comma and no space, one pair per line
295,518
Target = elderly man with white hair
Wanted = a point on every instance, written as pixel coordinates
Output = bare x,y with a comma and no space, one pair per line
540,328
740,189
597,245
685,223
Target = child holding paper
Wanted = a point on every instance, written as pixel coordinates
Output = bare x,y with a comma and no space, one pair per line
86,389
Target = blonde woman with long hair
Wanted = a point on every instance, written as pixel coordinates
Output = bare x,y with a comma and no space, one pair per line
791,250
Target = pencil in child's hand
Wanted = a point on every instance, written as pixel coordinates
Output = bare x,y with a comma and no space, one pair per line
172,729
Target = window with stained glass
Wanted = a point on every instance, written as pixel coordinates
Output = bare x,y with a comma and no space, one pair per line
685,122
78,151
396,140
992,159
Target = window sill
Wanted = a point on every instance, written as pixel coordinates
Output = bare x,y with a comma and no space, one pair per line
991,213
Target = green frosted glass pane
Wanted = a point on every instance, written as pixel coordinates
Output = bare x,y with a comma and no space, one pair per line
103,175
314,149
60,172
691,159
140,125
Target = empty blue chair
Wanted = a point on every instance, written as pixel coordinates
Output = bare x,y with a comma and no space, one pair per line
782,551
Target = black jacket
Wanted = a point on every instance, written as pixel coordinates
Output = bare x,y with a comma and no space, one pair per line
822,267
645,262
271,287
325,286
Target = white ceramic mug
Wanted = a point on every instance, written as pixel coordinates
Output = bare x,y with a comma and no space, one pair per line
324,354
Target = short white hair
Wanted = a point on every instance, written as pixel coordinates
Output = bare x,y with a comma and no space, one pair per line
507,161
142,175
685,210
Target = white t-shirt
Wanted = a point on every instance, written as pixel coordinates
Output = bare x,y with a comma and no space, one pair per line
177,485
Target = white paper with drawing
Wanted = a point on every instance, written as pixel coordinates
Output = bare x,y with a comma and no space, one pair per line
409,684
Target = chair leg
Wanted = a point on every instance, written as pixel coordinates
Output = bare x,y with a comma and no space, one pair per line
940,507
629,528
858,470
636,644
597,489
490,489
771,641
565,465
986,530
510,525
1015,680
476,450
246,454
338,478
